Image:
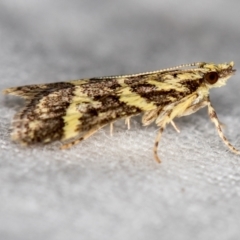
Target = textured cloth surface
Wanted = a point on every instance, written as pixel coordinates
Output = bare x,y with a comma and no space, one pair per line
111,187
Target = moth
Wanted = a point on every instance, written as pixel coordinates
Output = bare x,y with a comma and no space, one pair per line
72,111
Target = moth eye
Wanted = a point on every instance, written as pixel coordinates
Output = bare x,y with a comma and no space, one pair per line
211,77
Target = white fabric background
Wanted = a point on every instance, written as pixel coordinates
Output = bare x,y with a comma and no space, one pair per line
110,187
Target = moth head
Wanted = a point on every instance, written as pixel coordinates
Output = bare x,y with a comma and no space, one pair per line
216,75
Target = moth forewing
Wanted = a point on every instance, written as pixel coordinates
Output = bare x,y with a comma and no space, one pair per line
72,111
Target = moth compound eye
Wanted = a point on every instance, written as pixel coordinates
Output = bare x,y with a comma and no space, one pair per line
211,77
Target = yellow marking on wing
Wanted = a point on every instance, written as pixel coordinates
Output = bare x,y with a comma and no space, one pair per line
176,111
182,106
167,86
170,98
134,99
121,80
73,115
188,76
71,121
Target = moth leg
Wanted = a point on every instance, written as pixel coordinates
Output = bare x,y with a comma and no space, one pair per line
175,127
223,125
214,119
84,137
156,145
194,108
111,129
127,121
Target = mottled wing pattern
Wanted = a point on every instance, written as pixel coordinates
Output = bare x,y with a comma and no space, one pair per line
66,110
41,119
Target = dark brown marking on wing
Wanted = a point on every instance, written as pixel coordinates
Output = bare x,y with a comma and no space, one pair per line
162,97
31,91
47,110
100,87
134,80
192,85
112,109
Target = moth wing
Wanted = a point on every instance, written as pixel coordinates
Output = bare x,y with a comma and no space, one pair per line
63,111
41,119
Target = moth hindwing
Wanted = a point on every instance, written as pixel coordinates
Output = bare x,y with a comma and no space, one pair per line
72,111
